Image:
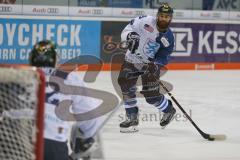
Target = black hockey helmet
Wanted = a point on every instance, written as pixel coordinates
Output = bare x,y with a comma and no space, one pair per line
165,8
43,54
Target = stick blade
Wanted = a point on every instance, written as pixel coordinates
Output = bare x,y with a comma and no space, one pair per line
219,137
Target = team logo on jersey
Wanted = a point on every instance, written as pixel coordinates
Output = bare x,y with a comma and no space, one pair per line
150,48
148,28
165,41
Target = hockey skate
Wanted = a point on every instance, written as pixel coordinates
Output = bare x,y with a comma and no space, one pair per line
168,116
130,125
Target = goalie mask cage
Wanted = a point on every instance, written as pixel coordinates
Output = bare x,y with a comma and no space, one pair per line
22,94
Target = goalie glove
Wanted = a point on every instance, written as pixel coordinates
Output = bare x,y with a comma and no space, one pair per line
133,41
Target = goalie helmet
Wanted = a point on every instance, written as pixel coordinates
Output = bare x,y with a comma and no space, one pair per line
43,54
166,11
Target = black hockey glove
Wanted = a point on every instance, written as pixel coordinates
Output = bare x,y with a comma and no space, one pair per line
133,41
154,70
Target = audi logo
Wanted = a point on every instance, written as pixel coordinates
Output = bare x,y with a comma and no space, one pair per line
7,1
53,10
5,9
216,15
97,11
139,13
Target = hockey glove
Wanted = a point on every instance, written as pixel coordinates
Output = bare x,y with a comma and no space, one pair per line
133,41
154,70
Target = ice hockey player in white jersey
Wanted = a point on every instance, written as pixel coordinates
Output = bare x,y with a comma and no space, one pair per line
56,130
150,43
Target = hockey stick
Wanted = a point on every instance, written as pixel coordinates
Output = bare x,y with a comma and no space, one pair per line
209,137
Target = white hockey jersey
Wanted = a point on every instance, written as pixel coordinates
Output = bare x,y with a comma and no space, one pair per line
57,129
153,44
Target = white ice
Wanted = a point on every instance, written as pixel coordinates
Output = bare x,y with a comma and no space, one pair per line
213,100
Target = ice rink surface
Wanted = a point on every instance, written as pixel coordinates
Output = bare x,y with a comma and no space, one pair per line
211,98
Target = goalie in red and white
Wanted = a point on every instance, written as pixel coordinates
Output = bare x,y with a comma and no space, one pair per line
56,132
